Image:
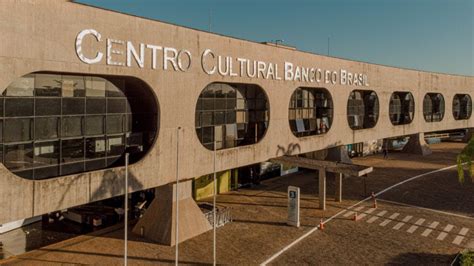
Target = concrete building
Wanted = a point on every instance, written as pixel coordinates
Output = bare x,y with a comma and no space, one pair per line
80,83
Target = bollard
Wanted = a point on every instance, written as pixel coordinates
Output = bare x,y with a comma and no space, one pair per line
321,225
375,200
355,218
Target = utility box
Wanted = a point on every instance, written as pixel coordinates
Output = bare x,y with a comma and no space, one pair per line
293,206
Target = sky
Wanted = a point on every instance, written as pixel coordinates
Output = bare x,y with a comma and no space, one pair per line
429,35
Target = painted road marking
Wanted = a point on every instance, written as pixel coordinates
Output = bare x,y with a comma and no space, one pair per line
371,210
458,240
382,213
398,226
387,221
372,219
407,218
448,228
359,208
348,214
463,231
314,229
442,236
361,216
393,216
414,227
428,231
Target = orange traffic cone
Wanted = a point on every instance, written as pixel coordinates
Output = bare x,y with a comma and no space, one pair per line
321,225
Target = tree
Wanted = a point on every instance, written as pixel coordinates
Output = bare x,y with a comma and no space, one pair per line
464,160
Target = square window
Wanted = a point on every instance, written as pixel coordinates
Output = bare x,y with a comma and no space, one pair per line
72,150
47,106
95,87
95,148
19,107
18,130
95,106
46,153
115,146
22,87
48,85
47,128
73,106
72,126
114,124
18,156
95,125
116,105
115,87
73,86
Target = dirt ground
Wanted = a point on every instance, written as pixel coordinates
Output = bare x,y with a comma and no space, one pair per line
258,230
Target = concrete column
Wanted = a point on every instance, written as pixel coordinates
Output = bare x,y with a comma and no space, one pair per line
417,145
339,187
159,221
322,189
468,136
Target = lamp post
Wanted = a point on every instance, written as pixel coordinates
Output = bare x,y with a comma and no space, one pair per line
128,150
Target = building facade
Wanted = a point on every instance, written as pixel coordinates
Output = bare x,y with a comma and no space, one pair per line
81,84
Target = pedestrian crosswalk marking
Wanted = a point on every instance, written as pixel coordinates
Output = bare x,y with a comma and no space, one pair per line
442,236
372,219
393,216
398,226
430,228
382,213
347,214
371,210
384,223
407,218
458,240
448,228
361,216
463,231
359,208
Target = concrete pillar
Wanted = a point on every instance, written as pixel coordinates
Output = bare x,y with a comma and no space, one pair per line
417,145
338,154
338,189
322,189
159,221
468,136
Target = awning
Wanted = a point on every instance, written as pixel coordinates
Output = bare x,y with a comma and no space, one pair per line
328,166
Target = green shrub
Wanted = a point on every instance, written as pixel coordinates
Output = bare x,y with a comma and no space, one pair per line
467,258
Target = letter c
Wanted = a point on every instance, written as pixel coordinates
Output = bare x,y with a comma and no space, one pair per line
79,53
204,54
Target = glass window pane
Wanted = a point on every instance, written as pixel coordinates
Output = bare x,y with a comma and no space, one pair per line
47,128
46,153
18,107
115,87
73,86
71,126
206,119
95,106
72,168
95,125
95,87
72,150
48,106
114,124
48,85
219,118
72,106
95,165
116,105
95,148
115,146
46,172
23,86
18,156
17,130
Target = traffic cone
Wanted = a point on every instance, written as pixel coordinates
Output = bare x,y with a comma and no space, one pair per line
321,225
375,200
